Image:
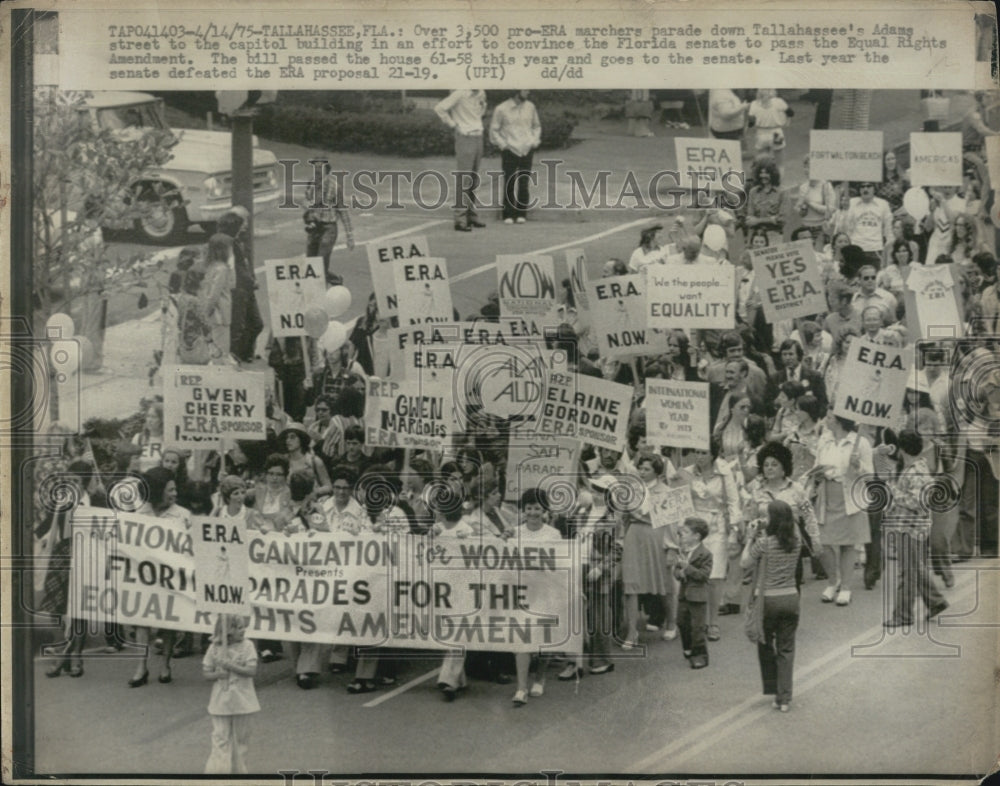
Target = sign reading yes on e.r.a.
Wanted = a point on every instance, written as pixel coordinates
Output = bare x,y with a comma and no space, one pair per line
294,286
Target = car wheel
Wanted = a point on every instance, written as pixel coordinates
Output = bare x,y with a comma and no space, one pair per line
162,218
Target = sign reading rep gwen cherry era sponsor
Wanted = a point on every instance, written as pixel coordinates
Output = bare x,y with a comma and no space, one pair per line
936,159
677,414
845,155
690,296
380,257
872,383
202,405
709,163
527,285
294,286
221,565
789,281
423,291
409,414
586,408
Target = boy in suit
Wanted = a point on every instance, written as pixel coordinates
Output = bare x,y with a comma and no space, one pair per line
694,566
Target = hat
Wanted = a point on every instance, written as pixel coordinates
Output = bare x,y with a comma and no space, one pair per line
296,428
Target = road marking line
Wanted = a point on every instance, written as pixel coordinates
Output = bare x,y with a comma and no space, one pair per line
701,738
579,241
402,688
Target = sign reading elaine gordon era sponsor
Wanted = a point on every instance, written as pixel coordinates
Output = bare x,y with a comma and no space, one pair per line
709,163
409,414
548,463
221,565
203,405
423,291
872,383
845,155
527,285
691,296
294,286
789,280
380,259
677,414
618,313
586,408
936,159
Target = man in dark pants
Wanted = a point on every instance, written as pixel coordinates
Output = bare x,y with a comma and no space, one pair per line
245,323
516,131
323,211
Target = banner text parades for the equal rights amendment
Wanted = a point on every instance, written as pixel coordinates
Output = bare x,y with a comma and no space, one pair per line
839,45
401,591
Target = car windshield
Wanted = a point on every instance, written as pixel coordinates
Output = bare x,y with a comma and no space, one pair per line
135,116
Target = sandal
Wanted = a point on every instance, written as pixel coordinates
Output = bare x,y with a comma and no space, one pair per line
361,686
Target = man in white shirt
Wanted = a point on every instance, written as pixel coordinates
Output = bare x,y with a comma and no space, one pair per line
463,111
726,114
516,131
871,294
869,223
691,253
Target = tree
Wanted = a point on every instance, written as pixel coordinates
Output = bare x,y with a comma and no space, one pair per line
83,178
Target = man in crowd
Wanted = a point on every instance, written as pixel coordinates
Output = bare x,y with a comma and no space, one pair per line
726,114
463,112
323,211
869,223
516,131
792,370
840,296
871,294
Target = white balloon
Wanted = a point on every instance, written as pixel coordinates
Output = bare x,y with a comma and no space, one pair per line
714,237
916,202
65,357
337,300
334,338
60,326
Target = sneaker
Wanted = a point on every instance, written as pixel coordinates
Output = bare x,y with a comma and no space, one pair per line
520,220
843,597
508,220
828,594
537,689
713,633
520,698
652,628
669,634
783,708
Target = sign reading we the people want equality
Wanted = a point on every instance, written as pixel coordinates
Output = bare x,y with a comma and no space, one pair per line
407,591
203,405
845,155
422,290
872,383
789,280
294,287
221,565
380,258
677,414
691,296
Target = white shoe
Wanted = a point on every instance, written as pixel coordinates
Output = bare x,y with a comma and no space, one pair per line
520,698
652,628
520,220
843,597
508,220
537,689
669,634
828,594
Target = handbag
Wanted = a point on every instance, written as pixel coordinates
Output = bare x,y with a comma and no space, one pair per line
753,618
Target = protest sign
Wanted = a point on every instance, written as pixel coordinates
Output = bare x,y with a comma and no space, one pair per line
548,463
527,285
422,290
677,414
586,408
709,163
845,155
409,415
576,263
872,383
294,286
933,298
992,144
618,313
380,259
404,591
202,405
936,159
691,296
789,280
221,565
670,506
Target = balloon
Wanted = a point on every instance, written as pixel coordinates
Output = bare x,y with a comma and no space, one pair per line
715,237
334,337
337,301
317,322
65,357
59,326
916,202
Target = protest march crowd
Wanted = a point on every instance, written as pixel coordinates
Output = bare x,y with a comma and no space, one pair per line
780,486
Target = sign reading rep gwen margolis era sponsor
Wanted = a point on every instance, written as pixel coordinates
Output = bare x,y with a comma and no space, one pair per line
845,155
872,383
380,257
709,163
422,290
409,414
586,408
677,414
936,159
202,405
789,280
618,315
527,285
407,591
548,463
690,296
220,562
294,286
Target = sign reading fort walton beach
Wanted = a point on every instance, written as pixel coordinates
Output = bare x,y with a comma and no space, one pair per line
203,405
845,155
789,280
380,257
334,587
872,383
527,285
294,286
